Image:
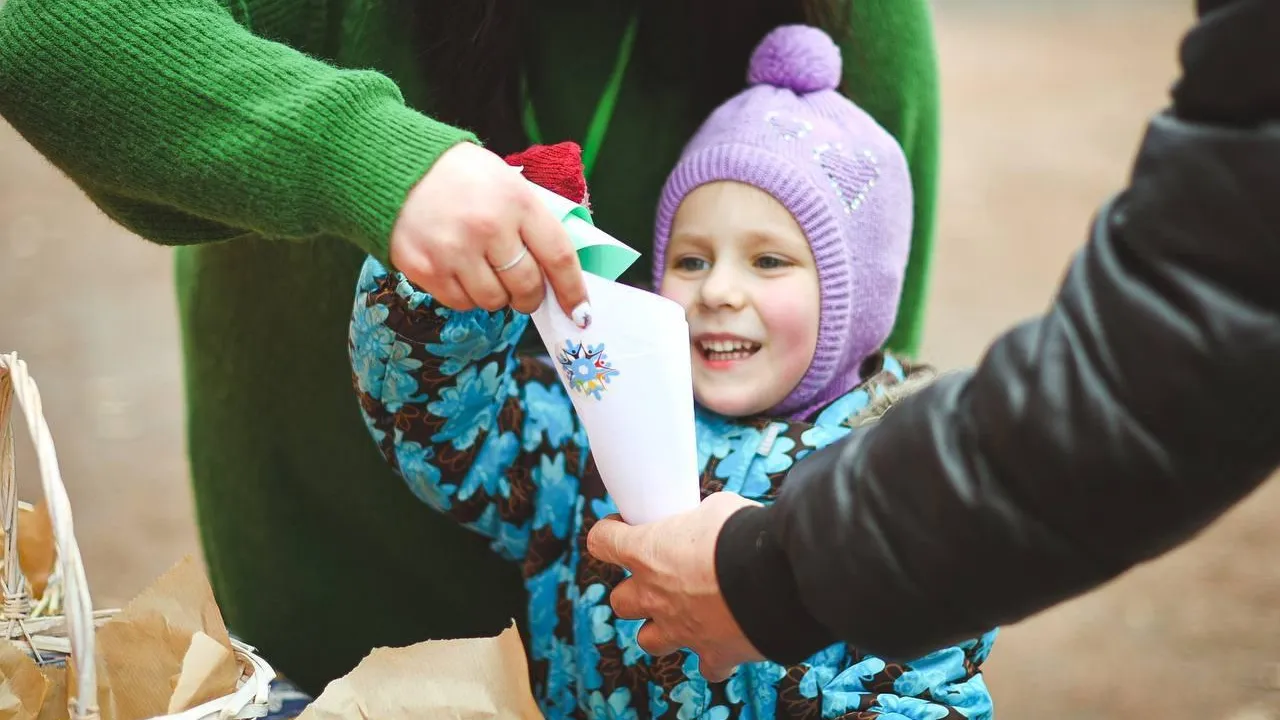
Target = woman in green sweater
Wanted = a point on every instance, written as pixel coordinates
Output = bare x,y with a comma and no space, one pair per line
275,142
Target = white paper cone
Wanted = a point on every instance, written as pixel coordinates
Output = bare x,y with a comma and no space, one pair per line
631,382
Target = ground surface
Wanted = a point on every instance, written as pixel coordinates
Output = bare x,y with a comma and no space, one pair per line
1043,110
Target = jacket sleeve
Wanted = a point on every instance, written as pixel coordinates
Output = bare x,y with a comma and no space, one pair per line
1116,426
186,127
891,71
476,433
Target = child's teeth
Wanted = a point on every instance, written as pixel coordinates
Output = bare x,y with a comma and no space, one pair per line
726,346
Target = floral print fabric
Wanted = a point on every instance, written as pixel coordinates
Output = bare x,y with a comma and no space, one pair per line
492,439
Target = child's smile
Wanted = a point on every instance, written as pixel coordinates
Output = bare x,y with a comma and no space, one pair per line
721,351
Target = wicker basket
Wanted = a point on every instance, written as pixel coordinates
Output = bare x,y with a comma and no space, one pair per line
62,624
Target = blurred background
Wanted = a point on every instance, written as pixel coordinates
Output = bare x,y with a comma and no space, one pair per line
1044,104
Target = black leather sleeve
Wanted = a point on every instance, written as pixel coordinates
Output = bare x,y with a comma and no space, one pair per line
1144,403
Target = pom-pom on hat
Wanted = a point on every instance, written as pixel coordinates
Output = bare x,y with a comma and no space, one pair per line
797,58
841,175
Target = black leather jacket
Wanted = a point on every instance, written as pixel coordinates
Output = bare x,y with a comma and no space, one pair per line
1143,404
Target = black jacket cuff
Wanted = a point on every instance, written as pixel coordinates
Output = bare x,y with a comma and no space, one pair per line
756,581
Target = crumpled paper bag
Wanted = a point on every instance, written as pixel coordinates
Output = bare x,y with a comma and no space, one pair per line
167,651
470,679
23,690
55,697
36,548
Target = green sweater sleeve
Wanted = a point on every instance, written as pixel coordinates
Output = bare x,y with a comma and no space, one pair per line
891,71
185,127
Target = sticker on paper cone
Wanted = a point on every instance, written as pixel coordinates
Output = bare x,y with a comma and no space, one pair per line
586,367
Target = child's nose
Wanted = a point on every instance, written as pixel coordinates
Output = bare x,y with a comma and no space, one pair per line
722,290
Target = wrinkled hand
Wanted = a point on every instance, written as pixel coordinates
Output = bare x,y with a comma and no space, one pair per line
673,584
469,217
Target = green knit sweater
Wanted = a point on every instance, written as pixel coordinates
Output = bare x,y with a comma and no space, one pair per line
273,141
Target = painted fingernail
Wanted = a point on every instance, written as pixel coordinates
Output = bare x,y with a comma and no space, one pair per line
581,315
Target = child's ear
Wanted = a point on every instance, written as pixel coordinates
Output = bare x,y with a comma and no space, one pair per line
557,168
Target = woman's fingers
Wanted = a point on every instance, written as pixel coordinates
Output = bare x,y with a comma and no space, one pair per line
652,640
450,294
435,278
549,244
481,283
518,272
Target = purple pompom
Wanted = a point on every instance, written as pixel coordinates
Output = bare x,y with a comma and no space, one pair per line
800,58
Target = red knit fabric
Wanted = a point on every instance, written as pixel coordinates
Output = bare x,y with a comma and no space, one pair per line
557,168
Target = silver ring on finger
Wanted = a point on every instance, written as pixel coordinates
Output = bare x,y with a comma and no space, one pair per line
524,250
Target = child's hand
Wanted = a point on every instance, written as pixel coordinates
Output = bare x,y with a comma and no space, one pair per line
472,234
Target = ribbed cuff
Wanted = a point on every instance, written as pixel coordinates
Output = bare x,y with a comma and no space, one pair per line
756,581
374,164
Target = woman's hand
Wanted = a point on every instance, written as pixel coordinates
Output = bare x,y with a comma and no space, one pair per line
473,234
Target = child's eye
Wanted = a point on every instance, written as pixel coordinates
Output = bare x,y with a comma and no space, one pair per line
771,262
691,264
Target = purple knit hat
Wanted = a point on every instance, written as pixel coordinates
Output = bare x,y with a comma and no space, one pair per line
840,174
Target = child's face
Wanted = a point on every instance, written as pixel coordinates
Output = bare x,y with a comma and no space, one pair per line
741,266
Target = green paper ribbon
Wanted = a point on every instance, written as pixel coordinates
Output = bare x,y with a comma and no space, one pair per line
599,252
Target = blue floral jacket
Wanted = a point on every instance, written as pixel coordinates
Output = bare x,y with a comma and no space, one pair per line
492,439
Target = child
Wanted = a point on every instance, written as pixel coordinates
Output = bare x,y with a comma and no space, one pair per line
783,231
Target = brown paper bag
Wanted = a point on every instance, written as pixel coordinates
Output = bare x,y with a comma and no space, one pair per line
22,686
55,698
37,551
472,679
166,651
203,675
